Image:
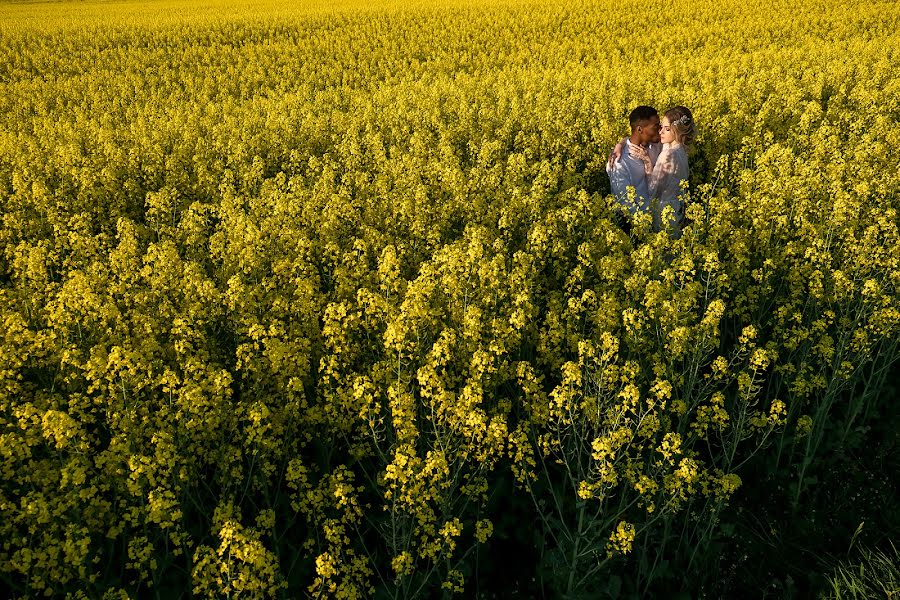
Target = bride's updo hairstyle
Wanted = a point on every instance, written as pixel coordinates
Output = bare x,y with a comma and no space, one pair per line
682,123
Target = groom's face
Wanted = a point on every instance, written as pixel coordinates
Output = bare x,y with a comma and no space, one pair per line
649,130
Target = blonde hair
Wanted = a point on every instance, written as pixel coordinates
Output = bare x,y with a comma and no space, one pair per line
682,123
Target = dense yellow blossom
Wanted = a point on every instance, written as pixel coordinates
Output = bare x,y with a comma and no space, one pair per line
291,293
622,539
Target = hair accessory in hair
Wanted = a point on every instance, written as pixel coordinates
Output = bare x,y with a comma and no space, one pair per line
683,120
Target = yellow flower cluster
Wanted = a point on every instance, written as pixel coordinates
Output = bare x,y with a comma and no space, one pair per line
622,539
291,295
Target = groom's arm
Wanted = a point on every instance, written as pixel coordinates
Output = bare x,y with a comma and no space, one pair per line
619,180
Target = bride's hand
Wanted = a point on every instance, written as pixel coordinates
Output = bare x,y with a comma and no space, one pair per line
615,155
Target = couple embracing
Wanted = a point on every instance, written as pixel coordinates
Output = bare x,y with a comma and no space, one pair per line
653,161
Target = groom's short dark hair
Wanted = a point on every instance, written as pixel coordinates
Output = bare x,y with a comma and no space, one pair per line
641,114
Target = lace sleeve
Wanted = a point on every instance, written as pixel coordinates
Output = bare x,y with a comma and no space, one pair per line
664,170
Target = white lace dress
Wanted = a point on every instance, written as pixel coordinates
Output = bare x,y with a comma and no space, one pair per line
670,170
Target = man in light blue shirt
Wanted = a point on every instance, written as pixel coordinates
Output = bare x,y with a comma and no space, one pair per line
631,163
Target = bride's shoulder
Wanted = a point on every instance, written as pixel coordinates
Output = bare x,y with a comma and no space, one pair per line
675,148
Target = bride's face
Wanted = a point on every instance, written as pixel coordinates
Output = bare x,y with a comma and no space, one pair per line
666,135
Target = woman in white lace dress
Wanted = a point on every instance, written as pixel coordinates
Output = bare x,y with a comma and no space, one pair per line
668,181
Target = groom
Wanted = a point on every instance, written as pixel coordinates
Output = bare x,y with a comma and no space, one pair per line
632,168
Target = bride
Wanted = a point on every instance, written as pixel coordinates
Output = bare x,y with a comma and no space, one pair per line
670,173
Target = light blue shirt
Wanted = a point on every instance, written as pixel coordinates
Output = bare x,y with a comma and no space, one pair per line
629,171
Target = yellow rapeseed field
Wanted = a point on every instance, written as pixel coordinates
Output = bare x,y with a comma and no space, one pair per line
325,298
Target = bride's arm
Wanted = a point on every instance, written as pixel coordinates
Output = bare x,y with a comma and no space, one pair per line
616,153
664,169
